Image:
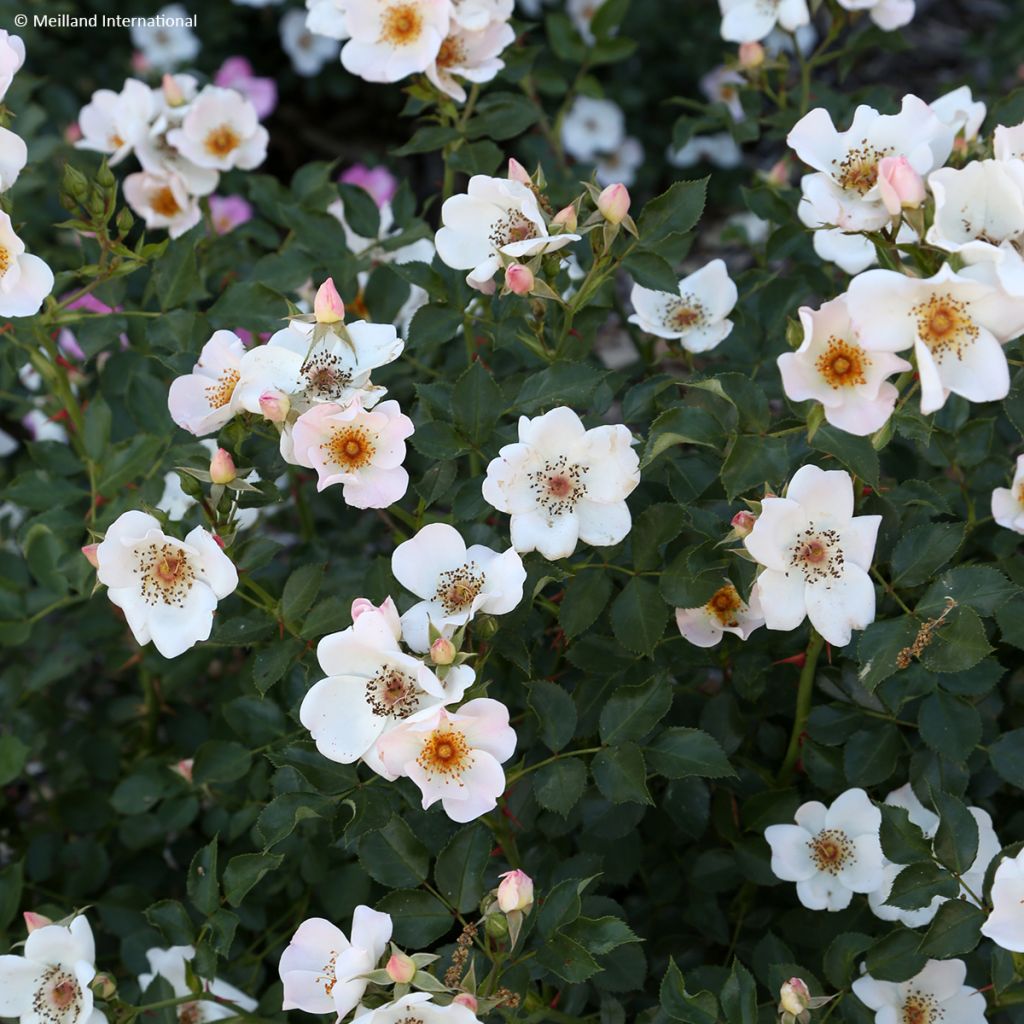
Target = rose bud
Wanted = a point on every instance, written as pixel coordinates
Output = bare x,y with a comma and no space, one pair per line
327,306
442,651
751,55
275,406
467,1000
566,218
34,920
743,523
794,997
173,96
401,968
519,279
900,186
89,550
517,172
613,203
103,986
183,768
515,892
222,467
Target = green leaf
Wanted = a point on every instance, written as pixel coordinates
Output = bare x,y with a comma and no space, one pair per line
477,403
586,595
558,786
621,775
680,752
567,959
855,453
171,918
981,587
878,647
556,713
639,616
896,957
571,384
673,212
650,270
739,996
13,754
958,644
201,881
843,957
461,865
683,424
633,711
419,917
917,885
502,115
677,1004
921,552
393,856
1007,757
245,871
361,212
956,839
949,725
271,663
220,761
12,880
42,555
431,326
280,817
954,931
870,755
300,592
754,461
902,841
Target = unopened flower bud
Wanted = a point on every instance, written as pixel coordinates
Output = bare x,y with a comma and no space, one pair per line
275,406
496,926
72,133
743,523
515,892
751,55
173,96
566,218
222,467
900,186
183,768
34,920
517,172
794,997
468,1000
327,306
401,968
442,651
613,203
103,986
519,279
89,550
778,174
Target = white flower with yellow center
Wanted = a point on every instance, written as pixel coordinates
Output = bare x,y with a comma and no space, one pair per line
592,126
816,555
170,964
322,969
202,401
886,14
391,39
49,983
1008,502
13,157
114,122
748,21
936,995
168,589
956,326
831,852
454,757
833,368
725,612
417,1008
495,218
470,55
562,483
163,201
454,582
361,449
696,316
25,280
843,194
12,56
371,687
722,85
221,130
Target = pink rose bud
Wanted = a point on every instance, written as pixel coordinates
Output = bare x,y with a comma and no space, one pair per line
72,133
901,187
743,522
103,986
517,172
327,306
566,218
751,55
515,892
183,768
519,279
467,1000
222,467
89,550
401,969
794,997
34,920
613,203
442,651
173,95
275,406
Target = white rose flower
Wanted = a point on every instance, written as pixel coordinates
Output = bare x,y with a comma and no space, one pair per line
115,122
886,14
496,217
956,326
472,55
453,582
221,130
831,852
719,149
168,589
322,970
170,964
307,50
1008,143
25,280
582,12
961,112
202,401
621,164
722,85
816,555
726,612
167,45
327,18
50,982
1008,503
418,1007
1005,924
696,317
936,993
12,56
592,126
831,367
391,39
475,15
163,201
13,157
562,483
748,21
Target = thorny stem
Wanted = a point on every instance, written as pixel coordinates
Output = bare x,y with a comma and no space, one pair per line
805,690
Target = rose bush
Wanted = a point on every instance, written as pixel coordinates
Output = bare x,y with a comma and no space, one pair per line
481,544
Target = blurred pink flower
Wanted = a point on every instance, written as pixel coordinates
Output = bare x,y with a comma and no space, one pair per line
229,212
236,73
378,181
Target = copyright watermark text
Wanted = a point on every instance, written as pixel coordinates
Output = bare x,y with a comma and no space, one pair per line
103,21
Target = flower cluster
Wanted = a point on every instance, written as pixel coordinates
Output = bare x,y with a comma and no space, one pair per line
184,136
